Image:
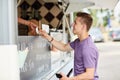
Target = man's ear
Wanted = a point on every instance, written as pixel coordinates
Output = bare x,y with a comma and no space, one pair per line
84,27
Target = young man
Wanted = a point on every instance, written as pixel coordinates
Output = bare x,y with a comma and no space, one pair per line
85,52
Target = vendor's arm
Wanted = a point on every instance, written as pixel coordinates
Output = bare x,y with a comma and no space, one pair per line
28,23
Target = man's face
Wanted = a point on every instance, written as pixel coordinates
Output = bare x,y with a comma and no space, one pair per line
77,26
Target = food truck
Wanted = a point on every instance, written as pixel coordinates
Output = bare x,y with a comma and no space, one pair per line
25,56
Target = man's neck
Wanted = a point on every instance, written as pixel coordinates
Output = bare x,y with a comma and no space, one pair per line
83,36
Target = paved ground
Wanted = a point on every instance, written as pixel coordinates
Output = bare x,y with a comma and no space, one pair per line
109,60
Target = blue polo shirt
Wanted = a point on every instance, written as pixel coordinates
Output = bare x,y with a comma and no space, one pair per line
85,56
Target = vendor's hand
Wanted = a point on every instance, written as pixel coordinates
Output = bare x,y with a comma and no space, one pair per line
64,77
32,28
32,25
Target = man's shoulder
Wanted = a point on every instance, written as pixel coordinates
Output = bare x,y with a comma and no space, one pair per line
90,45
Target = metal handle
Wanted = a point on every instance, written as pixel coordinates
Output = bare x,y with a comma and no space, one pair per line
60,76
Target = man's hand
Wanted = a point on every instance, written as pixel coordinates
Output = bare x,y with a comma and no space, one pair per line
45,35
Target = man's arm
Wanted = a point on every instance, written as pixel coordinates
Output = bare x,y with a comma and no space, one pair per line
59,45
88,75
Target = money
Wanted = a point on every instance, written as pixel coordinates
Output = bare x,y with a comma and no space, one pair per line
37,30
